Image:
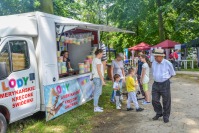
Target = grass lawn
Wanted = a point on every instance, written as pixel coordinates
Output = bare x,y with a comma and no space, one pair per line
78,120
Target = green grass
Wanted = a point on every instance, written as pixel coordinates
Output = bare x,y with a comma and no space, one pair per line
78,120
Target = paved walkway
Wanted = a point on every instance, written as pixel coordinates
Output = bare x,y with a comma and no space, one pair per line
196,73
184,115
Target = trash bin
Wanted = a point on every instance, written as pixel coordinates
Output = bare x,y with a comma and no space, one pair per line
109,76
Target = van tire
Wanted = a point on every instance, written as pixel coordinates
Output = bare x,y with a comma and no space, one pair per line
3,124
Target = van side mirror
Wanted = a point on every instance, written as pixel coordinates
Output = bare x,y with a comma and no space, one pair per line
3,70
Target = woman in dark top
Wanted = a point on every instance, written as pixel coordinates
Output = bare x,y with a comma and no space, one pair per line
139,72
66,59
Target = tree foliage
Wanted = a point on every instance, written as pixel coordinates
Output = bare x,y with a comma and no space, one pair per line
47,6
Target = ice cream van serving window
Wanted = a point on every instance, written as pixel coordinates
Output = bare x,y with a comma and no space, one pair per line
14,57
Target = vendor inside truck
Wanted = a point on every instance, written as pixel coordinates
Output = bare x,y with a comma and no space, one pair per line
66,59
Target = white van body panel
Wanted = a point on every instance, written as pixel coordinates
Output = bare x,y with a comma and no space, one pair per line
21,26
13,102
46,54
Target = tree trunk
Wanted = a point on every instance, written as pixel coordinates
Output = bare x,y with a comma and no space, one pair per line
47,6
107,23
160,21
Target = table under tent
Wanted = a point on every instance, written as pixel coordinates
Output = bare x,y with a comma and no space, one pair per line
194,44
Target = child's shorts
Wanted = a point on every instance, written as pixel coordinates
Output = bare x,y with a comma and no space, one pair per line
145,87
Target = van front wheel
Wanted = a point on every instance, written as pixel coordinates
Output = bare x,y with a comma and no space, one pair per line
3,123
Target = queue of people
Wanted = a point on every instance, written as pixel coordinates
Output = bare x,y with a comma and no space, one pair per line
162,71
174,59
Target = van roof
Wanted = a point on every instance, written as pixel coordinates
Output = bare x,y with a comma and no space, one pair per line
72,22
19,23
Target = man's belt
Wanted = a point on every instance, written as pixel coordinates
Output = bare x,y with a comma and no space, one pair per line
161,82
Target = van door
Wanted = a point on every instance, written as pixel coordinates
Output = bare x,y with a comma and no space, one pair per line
19,89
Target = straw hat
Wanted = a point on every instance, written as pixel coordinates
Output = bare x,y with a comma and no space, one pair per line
158,52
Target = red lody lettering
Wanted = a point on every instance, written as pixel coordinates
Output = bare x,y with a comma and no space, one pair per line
19,98
16,92
71,100
71,105
2,95
14,105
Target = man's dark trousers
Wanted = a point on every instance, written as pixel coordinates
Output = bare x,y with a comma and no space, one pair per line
158,90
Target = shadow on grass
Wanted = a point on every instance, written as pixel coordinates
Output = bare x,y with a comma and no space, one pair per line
76,120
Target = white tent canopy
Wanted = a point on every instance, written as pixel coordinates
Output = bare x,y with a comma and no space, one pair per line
26,24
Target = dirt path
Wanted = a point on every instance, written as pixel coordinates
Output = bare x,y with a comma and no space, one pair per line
184,116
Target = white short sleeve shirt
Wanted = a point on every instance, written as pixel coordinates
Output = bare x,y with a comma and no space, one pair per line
146,76
96,62
162,71
115,85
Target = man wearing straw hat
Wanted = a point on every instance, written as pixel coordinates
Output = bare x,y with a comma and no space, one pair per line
162,72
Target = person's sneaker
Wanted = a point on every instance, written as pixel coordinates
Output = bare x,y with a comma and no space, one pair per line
139,109
145,103
101,108
112,101
129,109
157,117
97,109
118,107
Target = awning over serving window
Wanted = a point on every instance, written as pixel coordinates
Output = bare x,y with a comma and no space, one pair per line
94,27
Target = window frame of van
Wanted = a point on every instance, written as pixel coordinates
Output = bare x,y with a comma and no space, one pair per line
10,64
10,57
28,55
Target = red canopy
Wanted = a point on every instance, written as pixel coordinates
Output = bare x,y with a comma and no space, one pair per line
166,44
141,46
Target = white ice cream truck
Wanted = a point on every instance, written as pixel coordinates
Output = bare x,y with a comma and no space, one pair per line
30,75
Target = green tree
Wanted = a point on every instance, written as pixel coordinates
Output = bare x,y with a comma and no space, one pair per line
46,6
8,7
160,20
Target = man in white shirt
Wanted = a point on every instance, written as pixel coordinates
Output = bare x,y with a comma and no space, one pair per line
162,72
